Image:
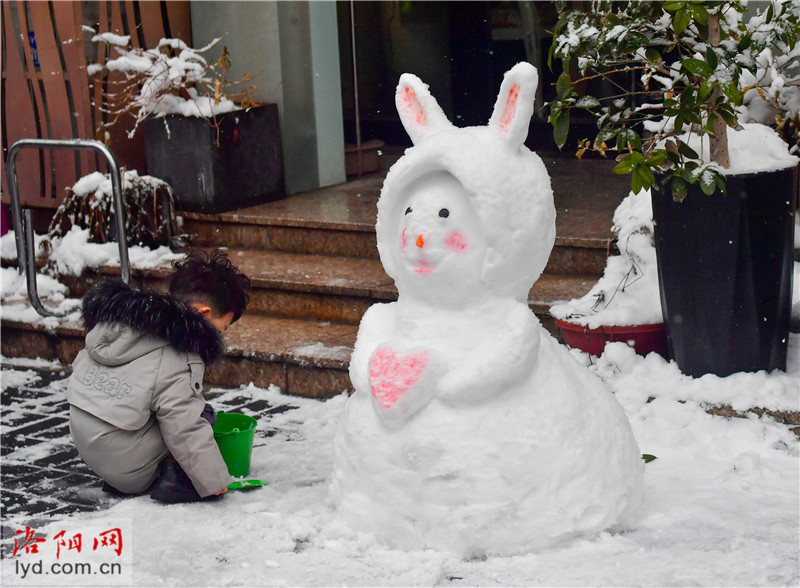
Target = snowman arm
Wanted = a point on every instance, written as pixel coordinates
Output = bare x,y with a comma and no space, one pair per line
377,326
502,359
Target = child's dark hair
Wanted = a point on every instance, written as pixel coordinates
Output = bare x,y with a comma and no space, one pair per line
212,280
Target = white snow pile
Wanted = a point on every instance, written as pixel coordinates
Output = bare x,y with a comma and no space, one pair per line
168,78
71,255
627,294
754,149
14,294
720,505
470,428
99,184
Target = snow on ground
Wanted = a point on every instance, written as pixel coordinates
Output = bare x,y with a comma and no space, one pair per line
721,503
71,255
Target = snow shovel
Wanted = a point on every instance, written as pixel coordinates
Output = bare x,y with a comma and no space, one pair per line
247,484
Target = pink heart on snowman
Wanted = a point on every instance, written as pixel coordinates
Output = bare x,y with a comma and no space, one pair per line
391,375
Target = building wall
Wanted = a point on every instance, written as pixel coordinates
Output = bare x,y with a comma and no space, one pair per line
290,49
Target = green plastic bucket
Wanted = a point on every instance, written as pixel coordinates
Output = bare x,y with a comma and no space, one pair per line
234,433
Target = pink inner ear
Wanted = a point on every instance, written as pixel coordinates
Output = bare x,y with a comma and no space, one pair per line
413,106
510,109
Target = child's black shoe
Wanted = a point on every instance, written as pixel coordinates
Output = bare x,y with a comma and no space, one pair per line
109,489
172,484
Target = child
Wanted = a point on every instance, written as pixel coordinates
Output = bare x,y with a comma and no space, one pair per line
137,414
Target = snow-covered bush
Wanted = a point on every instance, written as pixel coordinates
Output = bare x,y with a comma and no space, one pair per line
627,294
675,68
149,210
172,78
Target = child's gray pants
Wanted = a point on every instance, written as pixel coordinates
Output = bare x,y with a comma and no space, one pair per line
127,460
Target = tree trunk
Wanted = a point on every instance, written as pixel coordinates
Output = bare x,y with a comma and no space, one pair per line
718,142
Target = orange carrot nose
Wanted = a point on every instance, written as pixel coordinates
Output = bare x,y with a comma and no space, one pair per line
420,242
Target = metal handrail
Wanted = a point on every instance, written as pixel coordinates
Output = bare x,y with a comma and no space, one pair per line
23,223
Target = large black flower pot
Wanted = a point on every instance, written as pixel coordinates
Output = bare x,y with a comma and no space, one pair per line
725,272
214,167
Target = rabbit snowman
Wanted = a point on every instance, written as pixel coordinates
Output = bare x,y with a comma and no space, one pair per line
471,429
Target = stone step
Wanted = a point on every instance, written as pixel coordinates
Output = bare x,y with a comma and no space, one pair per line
340,220
315,269
302,357
324,287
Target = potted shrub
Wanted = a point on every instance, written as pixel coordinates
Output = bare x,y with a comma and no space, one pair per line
624,305
149,211
675,75
204,135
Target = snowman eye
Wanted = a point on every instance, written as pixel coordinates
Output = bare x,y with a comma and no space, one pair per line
408,210
444,213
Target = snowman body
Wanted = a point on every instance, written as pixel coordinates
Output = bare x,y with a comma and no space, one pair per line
471,429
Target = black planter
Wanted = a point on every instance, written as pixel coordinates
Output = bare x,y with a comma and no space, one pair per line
245,169
725,272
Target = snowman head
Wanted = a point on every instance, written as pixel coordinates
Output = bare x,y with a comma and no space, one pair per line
466,211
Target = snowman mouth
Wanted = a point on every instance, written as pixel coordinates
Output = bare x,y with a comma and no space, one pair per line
423,267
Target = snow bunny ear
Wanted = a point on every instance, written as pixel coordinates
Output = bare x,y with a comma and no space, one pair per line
514,107
419,111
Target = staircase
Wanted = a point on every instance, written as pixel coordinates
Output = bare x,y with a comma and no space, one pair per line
315,270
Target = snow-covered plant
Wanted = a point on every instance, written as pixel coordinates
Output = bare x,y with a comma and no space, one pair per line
627,293
149,210
172,78
672,69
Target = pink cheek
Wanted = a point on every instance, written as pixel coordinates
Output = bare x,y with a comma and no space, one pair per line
456,241
403,240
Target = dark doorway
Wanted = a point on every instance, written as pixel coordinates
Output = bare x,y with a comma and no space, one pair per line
460,49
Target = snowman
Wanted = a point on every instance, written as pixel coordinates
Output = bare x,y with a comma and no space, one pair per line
471,429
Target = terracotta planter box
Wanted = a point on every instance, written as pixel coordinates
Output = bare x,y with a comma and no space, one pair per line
244,169
643,338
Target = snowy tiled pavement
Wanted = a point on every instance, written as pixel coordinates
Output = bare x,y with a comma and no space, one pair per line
720,499
41,474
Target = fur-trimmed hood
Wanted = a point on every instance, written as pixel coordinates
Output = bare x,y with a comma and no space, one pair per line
155,315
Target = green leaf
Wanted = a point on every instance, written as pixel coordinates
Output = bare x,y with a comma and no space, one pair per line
673,6
679,121
697,67
564,86
719,179
657,158
679,187
680,21
628,138
636,157
728,116
711,58
606,135
731,90
636,181
705,90
652,55
707,183
648,457
744,43
687,151
700,14
687,98
560,128
625,166
648,179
